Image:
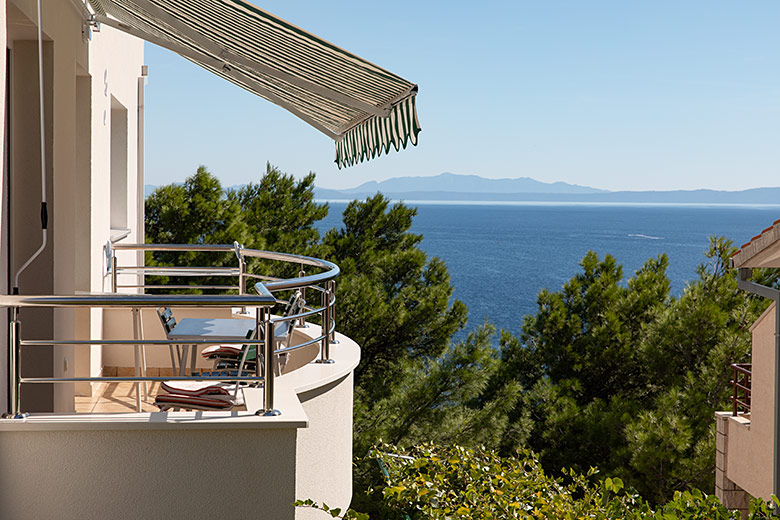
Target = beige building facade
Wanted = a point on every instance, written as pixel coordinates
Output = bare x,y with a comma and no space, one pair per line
744,441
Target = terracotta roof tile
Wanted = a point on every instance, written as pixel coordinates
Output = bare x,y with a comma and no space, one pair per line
773,229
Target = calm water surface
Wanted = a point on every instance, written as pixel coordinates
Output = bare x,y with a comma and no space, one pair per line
501,256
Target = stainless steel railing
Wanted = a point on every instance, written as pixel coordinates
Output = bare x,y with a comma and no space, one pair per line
742,387
272,284
133,301
322,282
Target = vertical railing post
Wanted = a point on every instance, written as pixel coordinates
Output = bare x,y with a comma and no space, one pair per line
242,276
301,274
140,362
14,365
325,320
107,256
259,334
113,273
242,279
268,364
241,271
332,311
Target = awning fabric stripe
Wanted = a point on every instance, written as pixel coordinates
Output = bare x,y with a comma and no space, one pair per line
363,107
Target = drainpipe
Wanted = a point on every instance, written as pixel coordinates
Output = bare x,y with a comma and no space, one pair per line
773,294
44,210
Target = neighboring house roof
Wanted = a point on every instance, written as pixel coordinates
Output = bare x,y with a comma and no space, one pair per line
763,250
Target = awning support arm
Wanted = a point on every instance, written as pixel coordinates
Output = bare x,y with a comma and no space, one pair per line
228,56
217,64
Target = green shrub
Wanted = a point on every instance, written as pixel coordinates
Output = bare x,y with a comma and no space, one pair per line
453,482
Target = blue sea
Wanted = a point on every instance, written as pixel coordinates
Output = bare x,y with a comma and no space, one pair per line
501,256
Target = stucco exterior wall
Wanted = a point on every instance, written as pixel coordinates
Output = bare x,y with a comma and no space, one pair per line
748,439
190,464
148,474
3,209
81,80
24,193
115,66
116,60
326,480
730,494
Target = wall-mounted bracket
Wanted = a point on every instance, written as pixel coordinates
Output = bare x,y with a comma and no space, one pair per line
88,27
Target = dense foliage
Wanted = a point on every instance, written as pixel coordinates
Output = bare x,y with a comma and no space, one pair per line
394,300
196,212
454,482
276,214
625,377
610,372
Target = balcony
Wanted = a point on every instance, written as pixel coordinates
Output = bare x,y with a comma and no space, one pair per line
741,383
290,439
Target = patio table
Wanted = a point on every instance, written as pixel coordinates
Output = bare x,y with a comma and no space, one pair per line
216,329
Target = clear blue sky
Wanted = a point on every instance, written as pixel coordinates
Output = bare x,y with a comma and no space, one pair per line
616,94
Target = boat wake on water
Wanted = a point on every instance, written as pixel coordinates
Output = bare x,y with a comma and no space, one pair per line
648,237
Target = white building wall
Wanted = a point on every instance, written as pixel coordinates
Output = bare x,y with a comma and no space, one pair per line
3,210
82,77
116,60
325,479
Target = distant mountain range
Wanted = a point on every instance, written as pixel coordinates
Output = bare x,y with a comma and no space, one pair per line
451,182
454,187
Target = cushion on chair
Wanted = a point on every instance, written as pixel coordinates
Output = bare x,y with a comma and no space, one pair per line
198,395
221,350
168,401
195,388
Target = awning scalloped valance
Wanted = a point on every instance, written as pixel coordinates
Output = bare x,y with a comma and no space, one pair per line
376,135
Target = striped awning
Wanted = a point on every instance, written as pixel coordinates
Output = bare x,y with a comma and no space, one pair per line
363,107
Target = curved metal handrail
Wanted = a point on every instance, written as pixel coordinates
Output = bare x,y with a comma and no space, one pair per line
138,300
332,270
